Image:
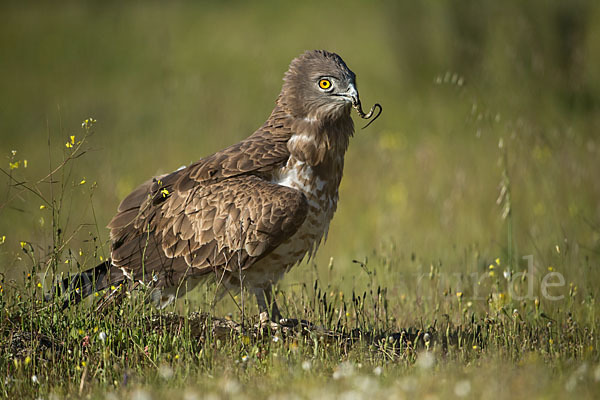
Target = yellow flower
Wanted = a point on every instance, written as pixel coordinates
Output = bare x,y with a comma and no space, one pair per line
25,163
491,273
39,285
82,181
550,268
491,266
14,165
27,360
459,295
23,244
42,207
88,123
83,363
497,261
551,341
2,239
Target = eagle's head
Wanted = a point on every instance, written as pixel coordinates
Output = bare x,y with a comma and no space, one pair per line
318,86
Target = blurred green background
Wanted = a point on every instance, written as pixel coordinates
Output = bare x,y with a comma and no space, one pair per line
170,82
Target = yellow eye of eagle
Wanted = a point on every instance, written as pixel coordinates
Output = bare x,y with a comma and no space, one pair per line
324,83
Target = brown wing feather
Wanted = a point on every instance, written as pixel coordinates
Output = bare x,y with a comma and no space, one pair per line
225,225
261,152
217,213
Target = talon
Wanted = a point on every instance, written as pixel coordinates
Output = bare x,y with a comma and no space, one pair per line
288,322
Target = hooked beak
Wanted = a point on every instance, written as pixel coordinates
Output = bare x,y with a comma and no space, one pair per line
350,95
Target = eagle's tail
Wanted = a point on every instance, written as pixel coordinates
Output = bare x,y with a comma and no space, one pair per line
77,287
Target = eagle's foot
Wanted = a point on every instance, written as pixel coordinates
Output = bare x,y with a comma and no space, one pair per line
276,322
289,322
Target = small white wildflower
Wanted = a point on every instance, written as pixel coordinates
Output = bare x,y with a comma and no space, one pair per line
462,388
571,383
306,365
366,384
244,358
425,360
344,370
140,394
34,379
351,395
408,384
188,395
378,370
275,339
102,336
597,374
165,372
111,396
231,386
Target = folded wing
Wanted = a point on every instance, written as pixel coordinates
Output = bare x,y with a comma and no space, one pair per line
170,234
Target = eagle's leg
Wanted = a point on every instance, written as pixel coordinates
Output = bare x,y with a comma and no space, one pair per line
268,310
267,306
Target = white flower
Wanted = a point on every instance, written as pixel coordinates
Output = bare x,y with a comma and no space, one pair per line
231,386
306,365
462,388
34,379
140,394
102,336
165,372
344,370
378,370
188,395
425,360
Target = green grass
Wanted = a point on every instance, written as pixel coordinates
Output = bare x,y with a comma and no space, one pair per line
486,153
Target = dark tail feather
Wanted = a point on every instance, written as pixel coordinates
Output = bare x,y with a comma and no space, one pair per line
79,286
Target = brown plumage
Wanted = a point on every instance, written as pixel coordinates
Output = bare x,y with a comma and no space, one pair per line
252,210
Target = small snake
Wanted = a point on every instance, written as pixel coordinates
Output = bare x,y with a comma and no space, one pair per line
358,107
